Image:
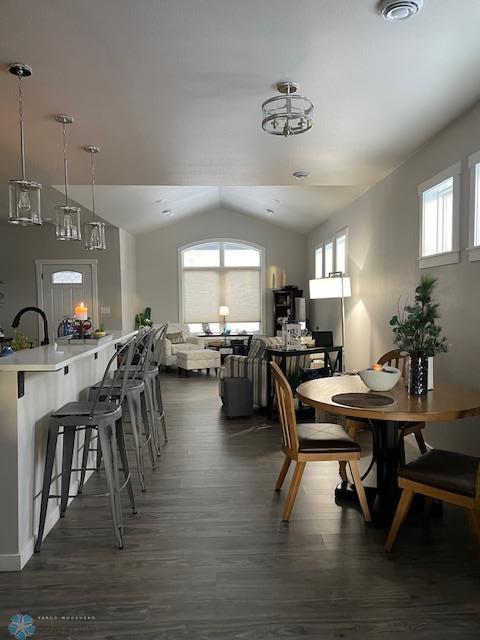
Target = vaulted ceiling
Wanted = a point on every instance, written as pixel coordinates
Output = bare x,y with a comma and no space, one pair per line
171,90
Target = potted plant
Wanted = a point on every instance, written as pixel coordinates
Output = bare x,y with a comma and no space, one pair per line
417,333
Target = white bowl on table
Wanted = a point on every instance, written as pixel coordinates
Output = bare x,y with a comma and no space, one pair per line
382,380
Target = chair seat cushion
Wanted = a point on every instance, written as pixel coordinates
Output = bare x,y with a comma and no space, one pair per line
84,408
324,438
445,470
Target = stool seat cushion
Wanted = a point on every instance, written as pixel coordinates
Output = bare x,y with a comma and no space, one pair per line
84,408
445,470
324,438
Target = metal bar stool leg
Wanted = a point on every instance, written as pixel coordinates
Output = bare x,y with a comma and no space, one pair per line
150,416
161,407
144,420
105,434
86,451
136,440
47,479
124,458
68,446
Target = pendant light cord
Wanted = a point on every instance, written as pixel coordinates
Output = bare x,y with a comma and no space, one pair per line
20,115
94,215
65,164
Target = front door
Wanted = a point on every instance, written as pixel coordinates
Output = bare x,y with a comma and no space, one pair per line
62,286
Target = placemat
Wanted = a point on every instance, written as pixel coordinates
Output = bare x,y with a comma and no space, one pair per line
363,400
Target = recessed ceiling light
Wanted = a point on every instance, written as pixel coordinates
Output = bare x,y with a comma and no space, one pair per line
270,212
396,10
160,201
168,212
276,200
301,175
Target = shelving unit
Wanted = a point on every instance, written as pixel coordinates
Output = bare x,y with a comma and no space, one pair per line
284,306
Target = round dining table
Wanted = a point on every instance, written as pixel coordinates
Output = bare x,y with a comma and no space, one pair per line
446,402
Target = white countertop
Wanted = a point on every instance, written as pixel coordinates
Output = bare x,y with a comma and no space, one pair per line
53,357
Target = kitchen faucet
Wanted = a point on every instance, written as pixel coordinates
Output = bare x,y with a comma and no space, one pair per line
16,322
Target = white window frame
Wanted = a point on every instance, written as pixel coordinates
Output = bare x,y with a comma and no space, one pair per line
222,241
473,249
333,240
448,257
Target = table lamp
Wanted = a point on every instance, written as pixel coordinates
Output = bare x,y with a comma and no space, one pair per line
335,286
223,312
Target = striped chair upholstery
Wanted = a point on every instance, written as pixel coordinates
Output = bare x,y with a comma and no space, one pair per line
254,367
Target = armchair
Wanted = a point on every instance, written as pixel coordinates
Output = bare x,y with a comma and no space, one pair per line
254,367
170,349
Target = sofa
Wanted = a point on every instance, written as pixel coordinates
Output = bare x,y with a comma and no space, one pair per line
169,348
254,367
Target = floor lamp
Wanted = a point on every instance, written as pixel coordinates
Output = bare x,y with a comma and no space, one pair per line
335,286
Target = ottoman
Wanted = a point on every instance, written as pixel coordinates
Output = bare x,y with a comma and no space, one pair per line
197,359
238,397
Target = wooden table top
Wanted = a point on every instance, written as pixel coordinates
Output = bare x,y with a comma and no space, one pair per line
445,402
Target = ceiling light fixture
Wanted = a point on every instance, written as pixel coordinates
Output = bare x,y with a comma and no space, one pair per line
168,213
270,212
301,175
396,10
23,194
94,230
287,114
68,217
160,201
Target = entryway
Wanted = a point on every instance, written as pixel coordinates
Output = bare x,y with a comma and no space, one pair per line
61,285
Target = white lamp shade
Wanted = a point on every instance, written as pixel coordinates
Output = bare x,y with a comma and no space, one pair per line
223,311
336,287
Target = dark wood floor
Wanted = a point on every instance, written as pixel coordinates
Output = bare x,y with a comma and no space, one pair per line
208,557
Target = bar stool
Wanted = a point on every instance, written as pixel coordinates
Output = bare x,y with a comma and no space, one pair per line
106,419
136,399
148,371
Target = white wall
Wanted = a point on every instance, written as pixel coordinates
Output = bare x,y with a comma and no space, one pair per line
383,250
128,279
157,256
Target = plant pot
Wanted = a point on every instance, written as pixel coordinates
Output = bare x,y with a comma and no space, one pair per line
418,375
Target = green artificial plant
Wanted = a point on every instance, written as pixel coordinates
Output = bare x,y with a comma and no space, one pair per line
143,319
415,328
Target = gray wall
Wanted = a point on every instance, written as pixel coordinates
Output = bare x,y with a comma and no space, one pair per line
383,250
157,257
21,246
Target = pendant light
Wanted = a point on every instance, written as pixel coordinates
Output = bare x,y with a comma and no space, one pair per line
23,194
94,230
68,216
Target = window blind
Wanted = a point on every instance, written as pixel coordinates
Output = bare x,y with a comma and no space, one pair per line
242,294
205,290
201,295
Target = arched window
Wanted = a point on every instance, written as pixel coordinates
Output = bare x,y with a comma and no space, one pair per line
67,277
221,273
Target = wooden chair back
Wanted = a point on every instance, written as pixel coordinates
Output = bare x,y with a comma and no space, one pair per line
286,409
394,358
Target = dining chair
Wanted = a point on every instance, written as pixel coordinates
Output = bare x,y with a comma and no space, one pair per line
442,475
315,442
398,359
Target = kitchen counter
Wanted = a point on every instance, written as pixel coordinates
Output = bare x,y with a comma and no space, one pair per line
33,384
54,357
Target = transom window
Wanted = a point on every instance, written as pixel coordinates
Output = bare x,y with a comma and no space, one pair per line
67,277
222,273
439,218
331,255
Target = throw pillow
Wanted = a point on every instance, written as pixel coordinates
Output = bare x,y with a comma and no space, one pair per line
176,338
